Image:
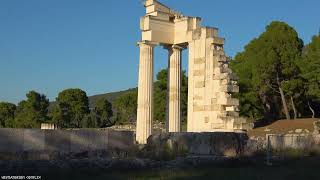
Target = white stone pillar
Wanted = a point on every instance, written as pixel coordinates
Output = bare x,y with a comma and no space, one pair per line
145,92
174,89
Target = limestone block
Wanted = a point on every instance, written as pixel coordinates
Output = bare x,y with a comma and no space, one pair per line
222,58
226,70
218,40
229,88
225,82
233,113
160,15
213,101
234,83
228,101
206,119
153,5
196,34
217,71
218,53
196,97
217,107
199,60
230,108
200,84
199,72
221,75
197,108
218,126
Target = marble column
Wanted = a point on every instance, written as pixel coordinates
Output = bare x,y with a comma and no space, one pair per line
145,92
174,89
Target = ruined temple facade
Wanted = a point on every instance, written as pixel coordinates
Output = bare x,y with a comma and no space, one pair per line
211,82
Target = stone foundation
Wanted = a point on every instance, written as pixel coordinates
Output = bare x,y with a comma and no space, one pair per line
206,143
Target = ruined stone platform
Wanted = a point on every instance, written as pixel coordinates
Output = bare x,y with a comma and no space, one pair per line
205,143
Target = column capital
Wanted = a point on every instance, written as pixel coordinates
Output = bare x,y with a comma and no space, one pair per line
177,47
174,47
150,43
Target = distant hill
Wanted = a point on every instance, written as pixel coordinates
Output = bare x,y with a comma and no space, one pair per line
109,96
93,99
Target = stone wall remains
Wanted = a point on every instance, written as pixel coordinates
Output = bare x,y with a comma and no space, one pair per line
66,143
206,143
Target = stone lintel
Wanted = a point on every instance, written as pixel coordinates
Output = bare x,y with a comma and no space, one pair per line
150,43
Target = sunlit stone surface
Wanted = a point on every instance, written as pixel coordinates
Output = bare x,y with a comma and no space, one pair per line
211,82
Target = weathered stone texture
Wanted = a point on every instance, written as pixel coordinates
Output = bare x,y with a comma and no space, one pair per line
209,74
207,143
36,143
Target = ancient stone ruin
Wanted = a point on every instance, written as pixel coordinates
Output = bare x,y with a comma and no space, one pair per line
211,83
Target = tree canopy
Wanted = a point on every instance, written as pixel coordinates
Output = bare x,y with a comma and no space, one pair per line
72,107
31,112
310,72
126,107
266,68
103,113
7,114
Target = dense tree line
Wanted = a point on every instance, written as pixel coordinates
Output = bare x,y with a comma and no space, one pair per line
71,110
29,113
279,76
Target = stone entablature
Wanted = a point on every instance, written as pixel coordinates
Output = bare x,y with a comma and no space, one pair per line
211,82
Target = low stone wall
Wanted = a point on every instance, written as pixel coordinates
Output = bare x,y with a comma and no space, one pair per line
96,143
292,141
283,142
215,143
47,143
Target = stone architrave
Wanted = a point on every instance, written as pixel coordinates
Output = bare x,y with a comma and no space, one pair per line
211,82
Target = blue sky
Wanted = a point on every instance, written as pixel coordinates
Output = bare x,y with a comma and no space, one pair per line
51,45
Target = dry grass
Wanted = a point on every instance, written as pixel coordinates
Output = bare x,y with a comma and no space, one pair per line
283,127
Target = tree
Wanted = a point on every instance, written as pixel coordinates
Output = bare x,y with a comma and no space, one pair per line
32,112
7,114
251,105
103,113
310,71
71,109
126,107
160,96
267,64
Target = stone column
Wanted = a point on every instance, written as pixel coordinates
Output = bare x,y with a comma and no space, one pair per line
145,92
174,89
